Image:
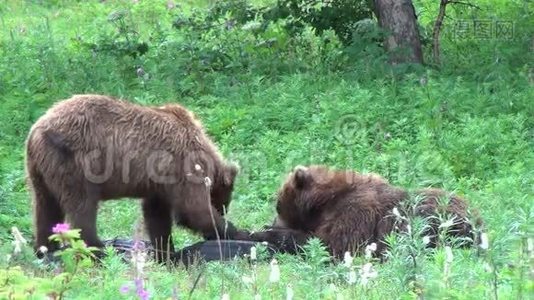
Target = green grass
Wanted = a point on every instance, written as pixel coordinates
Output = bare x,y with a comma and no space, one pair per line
467,128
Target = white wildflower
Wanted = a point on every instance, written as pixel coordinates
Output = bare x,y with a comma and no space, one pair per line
225,296
426,240
448,255
253,253
16,247
352,276
274,276
289,292
347,259
367,272
447,223
18,240
198,167
257,297
484,241
369,250
18,236
247,279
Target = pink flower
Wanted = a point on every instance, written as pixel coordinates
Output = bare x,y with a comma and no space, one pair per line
61,228
124,289
143,294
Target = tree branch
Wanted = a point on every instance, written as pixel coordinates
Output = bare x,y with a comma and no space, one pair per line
437,30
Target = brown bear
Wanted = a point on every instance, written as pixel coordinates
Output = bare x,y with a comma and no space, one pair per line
92,147
348,211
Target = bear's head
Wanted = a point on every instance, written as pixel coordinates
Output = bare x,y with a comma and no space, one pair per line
307,193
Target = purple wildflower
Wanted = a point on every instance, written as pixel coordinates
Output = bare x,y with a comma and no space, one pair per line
124,289
61,228
143,294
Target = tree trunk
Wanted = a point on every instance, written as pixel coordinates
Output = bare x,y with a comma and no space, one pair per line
398,18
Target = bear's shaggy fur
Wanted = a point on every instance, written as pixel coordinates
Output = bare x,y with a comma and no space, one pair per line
348,211
92,147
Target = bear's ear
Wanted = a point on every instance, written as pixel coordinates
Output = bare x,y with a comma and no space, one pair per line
301,176
230,173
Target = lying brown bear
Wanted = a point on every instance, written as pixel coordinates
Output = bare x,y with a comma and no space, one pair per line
91,147
348,211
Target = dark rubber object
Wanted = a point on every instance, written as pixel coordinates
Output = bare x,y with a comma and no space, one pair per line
223,250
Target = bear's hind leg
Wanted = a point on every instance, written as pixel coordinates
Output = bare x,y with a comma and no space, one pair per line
158,220
47,213
83,217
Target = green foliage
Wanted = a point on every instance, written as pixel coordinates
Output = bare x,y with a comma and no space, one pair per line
273,95
341,16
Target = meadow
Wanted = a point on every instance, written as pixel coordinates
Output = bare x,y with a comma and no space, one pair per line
273,97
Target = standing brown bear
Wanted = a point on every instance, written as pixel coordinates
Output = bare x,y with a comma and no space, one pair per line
91,147
348,211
